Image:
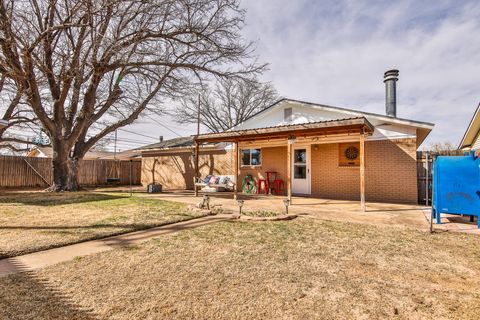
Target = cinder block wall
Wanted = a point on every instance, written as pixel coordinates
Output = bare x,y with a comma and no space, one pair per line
390,172
176,171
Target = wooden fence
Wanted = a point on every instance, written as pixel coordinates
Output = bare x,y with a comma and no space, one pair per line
36,172
424,172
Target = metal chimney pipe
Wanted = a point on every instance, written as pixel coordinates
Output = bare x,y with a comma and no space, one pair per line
390,78
161,138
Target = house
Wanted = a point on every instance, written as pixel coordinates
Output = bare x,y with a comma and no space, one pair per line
170,162
47,152
318,150
3,123
471,138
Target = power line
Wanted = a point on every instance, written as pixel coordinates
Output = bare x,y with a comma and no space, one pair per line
134,141
139,134
161,124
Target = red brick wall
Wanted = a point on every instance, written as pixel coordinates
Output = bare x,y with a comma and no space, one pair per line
273,159
329,180
390,172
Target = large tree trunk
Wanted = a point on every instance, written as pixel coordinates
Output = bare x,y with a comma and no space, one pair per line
65,171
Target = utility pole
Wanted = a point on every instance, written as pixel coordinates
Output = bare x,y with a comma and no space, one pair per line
198,116
115,147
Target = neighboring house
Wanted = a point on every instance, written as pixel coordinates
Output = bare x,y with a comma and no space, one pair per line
471,138
47,152
3,123
318,150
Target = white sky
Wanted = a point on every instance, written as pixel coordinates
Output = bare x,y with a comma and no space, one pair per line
335,52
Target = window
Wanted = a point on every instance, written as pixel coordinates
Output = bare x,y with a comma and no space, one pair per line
251,157
287,114
300,164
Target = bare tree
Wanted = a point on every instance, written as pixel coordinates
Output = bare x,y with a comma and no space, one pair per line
229,103
442,147
20,117
90,67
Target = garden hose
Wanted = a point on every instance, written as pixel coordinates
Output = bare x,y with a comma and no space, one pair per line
249,185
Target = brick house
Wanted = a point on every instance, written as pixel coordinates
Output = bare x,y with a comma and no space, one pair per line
318,150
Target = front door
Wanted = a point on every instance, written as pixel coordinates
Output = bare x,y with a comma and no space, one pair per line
301,170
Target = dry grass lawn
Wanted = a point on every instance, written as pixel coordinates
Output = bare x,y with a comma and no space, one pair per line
32,221
300,269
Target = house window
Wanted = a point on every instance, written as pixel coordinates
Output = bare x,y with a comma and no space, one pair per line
287,114
251,157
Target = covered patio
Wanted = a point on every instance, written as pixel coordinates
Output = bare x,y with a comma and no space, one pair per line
294,157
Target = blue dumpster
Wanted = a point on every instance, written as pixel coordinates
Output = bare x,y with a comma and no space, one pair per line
456,186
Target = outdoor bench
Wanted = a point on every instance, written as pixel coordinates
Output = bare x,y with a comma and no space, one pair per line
223,183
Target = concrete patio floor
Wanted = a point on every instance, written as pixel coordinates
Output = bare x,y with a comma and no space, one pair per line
406,215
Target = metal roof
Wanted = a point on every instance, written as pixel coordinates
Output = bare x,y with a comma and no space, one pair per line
171,143
311,127
357,112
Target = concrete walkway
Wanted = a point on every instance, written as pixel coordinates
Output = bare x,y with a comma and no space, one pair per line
42,259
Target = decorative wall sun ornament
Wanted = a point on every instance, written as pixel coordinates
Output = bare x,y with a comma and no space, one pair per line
351,153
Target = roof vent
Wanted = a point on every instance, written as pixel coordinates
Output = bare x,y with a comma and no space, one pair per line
390,78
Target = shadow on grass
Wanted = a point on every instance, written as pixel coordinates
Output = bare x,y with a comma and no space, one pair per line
117,229
26,295
54,199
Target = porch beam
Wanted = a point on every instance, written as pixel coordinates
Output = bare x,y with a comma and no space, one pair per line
319,139
289,171
236,155
196,175
362,173
257,134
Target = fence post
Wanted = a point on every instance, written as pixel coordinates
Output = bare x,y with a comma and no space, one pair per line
130,177
426,178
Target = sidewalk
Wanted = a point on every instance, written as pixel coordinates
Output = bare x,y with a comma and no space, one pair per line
42,259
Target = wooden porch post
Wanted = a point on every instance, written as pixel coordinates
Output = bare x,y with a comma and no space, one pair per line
195,176
289,171
236,155
362,172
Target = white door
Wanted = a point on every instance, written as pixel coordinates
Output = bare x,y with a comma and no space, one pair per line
301,170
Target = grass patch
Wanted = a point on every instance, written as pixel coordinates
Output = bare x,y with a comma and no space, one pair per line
300,269
35,221
260,213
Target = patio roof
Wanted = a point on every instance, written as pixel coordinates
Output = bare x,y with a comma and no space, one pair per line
357,124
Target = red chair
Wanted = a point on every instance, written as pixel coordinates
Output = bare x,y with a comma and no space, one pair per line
278,186
262,184
271,177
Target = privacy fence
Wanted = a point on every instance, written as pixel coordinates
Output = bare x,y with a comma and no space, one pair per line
37,172
424,172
